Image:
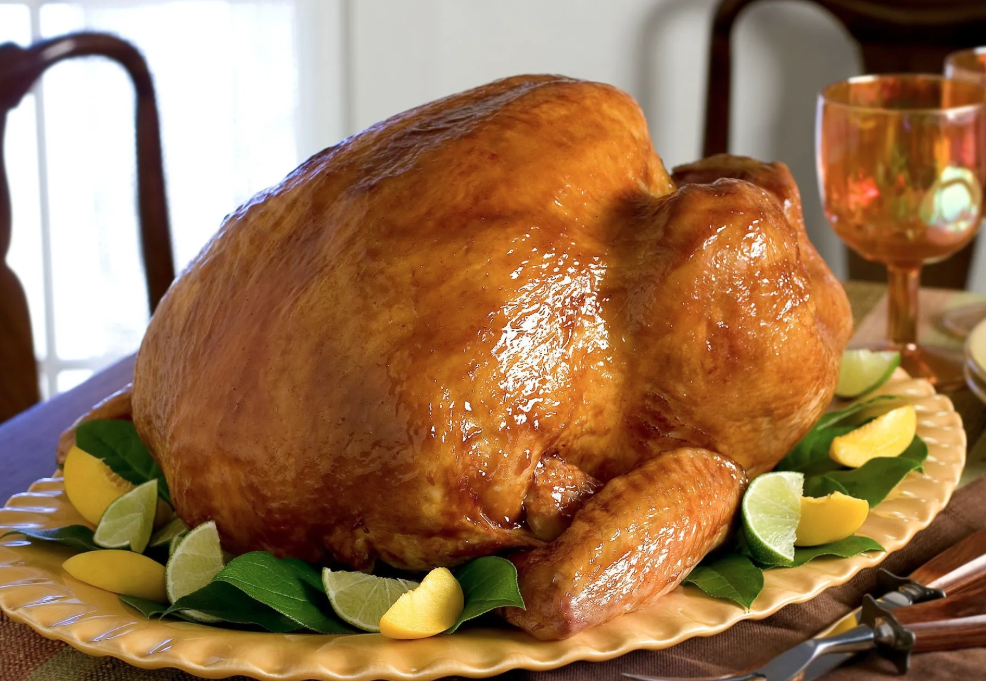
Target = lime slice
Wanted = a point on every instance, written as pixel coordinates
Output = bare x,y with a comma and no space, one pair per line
129,520
771,513
361,599
194,561
864,371
173,544
175,528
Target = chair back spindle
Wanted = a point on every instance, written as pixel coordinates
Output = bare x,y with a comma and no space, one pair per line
20,68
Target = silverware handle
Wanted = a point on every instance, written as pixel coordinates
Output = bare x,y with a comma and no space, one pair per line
969,602
956,567
951,623
966,632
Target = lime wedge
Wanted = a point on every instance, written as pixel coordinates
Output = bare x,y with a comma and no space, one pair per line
129,520
361,599
194,561
173,544
863,371
771,513
175,527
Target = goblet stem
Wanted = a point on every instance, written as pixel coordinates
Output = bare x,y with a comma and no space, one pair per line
902,299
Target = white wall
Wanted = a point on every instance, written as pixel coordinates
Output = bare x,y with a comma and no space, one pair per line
401,54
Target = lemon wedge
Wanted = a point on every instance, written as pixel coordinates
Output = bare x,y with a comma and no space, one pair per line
122,572
829,519
430,609
886,435
90,484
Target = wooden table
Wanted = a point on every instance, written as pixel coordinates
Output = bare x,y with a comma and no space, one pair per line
27,452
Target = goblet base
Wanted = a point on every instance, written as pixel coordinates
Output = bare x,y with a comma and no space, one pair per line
941,367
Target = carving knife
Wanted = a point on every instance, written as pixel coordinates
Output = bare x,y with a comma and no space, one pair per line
932,622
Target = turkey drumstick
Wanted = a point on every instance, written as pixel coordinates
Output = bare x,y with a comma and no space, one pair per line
631,543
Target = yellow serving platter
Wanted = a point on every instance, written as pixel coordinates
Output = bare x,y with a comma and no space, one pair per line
34,590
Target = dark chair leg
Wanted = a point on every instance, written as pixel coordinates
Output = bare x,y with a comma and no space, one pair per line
19,69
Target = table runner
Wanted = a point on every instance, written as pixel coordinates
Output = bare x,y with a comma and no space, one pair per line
26,656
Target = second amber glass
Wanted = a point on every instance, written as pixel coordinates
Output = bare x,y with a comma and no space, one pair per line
902,168
966,65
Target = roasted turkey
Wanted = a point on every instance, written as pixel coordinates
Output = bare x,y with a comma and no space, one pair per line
496,324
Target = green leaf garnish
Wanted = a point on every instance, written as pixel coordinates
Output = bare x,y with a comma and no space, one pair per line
844,548
152,609
875,479
229,604
838,416
291,587
117,444
487,583
916,451
149,609
822,486
308,574
74,536
811,455
733,577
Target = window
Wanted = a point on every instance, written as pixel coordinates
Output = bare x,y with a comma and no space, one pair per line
232,123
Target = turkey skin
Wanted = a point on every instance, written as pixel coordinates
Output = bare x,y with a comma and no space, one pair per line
495,324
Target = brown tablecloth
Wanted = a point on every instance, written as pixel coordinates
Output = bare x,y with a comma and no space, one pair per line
25,656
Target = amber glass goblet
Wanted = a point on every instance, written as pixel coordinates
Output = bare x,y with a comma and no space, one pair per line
967,65
902,168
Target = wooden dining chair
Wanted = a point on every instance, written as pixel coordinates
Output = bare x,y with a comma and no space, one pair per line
20,68
894,36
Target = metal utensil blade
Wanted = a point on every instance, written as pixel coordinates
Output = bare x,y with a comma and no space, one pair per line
742,677
823,665
818,656
790,664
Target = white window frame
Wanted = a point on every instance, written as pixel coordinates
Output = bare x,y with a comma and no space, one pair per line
325,115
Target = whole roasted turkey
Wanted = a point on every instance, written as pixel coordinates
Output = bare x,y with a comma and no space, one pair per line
495,323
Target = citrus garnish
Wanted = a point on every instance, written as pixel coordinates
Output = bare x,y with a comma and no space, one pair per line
129,520
885,436
361,599
90,484
164,514
828,519
428,610
175,528
122,572
771,513
863,371
193,563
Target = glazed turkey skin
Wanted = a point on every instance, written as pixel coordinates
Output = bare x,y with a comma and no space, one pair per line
447,336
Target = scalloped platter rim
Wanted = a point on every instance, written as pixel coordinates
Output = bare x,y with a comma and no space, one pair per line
35,590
